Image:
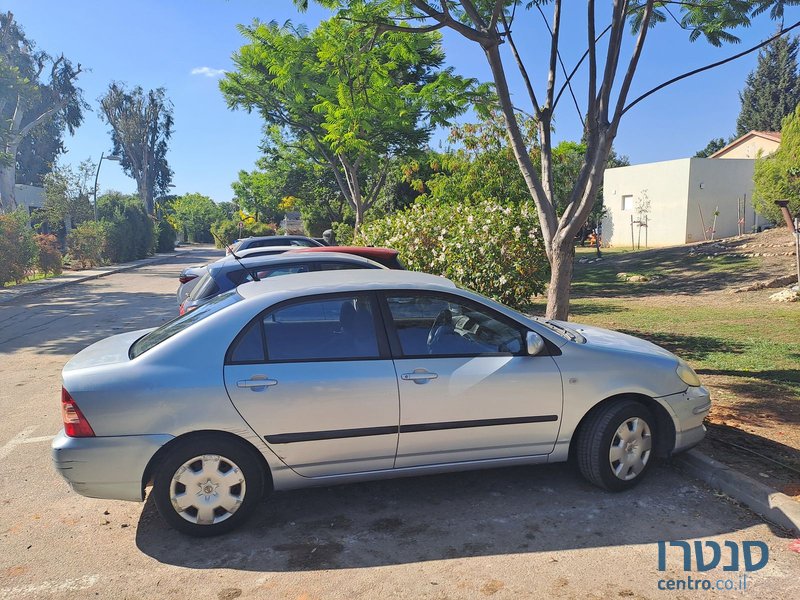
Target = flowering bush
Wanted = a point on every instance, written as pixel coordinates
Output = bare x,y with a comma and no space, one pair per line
49,257
17,248
493,249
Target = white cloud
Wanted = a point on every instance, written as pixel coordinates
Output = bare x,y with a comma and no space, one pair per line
208,71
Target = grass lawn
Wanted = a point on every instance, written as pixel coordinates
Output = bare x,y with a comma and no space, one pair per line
34,277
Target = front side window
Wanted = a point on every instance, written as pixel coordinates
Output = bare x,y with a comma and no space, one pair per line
432,325
341,328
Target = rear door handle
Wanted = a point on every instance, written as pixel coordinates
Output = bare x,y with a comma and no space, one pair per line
419,376
255,383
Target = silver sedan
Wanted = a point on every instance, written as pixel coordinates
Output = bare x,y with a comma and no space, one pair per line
347,376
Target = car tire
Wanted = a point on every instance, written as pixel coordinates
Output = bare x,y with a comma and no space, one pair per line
208,486
615,447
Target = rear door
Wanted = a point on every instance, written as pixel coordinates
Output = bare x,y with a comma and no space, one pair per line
468,389
314,378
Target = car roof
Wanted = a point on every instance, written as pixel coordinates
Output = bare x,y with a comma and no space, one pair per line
320,282
368,251
278,259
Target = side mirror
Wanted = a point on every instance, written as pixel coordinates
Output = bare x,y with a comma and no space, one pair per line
534,343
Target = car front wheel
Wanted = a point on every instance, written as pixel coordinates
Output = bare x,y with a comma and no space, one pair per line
615,446
209,486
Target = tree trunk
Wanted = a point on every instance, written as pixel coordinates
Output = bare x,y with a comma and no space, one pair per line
561,263
8,201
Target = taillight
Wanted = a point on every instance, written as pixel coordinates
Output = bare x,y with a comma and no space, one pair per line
186,278
75,424
181,310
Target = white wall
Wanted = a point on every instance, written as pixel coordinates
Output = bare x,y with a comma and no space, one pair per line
665,184
718,184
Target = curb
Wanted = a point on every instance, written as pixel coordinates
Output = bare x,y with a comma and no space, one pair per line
42,289
761,499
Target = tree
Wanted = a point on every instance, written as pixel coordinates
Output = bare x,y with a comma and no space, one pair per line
609,71
38,100
713,146
772,90
777,177
141,126
347,97
195,214
66,195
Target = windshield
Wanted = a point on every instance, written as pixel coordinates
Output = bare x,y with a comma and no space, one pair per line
167,330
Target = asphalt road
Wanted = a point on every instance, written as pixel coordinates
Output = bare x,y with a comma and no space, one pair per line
532,532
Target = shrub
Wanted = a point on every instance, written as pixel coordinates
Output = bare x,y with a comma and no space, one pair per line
493,249
227,230
49,257
130,229
343,233
87,244
17,247
164,237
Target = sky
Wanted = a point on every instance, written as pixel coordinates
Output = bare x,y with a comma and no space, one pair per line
186,46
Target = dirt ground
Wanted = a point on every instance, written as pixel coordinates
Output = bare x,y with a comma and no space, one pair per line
754,424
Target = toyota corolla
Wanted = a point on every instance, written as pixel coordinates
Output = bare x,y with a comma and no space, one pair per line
343,376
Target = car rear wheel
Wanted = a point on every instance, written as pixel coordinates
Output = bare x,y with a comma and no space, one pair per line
208,486
615,446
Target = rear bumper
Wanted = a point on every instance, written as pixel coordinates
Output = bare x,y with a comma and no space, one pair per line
106,467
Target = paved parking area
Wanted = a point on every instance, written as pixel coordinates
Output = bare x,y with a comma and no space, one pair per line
529,532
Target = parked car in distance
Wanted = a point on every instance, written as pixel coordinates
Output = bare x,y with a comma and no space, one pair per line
336,377
189,277
388,257
300,241
226,274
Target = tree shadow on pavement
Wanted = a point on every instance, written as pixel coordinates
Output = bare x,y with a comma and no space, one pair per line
495,512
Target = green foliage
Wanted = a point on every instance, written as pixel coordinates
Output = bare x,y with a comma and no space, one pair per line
260,192
493,249
67,192
772,90
141,126
163,236
347,97
344,233
128,228
194,214
713,146
17,246
48,259
87,244
777,177
226,231
39,101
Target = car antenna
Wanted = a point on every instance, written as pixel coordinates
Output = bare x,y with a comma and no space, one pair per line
253,274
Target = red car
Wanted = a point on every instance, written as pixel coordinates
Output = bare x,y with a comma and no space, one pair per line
384,256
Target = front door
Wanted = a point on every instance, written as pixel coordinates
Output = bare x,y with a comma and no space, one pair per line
468,389
313,377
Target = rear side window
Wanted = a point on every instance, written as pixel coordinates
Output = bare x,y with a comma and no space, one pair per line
341,266
322,329
205,288
243,276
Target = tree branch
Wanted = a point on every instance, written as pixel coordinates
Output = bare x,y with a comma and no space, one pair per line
719,63
634,62
523,71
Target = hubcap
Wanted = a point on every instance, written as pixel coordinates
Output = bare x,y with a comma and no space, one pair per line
207,489
630,448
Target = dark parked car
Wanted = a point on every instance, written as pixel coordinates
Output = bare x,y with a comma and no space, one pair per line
227,274
300,241
385,256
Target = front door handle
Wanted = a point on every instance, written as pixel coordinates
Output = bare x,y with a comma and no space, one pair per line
419,376
257,383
